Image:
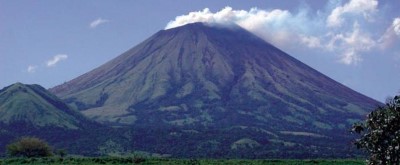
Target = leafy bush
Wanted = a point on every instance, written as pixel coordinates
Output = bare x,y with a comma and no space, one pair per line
138,159
29,147
380,134
62,153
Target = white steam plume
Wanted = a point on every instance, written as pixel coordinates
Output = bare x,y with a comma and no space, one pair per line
318,31
279,27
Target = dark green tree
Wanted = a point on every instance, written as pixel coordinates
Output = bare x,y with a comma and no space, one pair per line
61,152
380,133
29,147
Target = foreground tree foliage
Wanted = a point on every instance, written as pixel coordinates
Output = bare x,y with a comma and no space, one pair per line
29,147
380,134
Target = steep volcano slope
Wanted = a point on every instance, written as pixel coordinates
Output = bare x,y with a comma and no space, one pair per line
200,76
196,67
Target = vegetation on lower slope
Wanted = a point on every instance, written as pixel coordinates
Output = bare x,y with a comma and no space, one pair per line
185,142
34,151
153,161
232,135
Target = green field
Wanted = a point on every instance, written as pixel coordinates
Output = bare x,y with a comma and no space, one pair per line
130,160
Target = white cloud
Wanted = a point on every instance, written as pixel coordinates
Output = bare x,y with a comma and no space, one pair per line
311,41
364,7
280,27
349,57
98,22
304,29
351,44
226,15
391,35
31,69
359,39
57,58
396,26
252,19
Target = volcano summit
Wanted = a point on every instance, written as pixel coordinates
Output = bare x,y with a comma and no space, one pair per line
201,90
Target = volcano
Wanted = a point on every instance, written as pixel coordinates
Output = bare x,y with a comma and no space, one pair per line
211,90
34,106
30,110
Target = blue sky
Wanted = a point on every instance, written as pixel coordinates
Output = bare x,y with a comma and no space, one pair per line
355,42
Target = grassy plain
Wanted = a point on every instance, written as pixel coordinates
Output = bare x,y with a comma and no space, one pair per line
156,161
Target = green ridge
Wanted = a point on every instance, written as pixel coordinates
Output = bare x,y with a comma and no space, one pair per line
33,105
